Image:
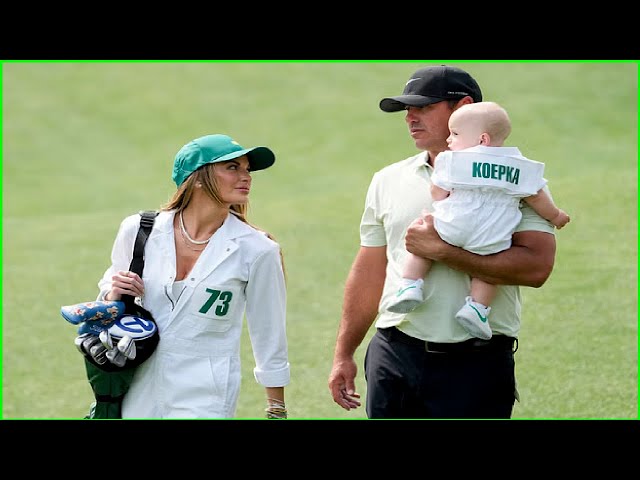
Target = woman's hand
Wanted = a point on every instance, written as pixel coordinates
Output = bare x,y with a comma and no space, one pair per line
125,283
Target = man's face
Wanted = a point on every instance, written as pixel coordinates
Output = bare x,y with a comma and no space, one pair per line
428,125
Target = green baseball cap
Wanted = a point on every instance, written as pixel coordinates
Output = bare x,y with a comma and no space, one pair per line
213,149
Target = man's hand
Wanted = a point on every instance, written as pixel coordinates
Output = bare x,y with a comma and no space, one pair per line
423,240
342,384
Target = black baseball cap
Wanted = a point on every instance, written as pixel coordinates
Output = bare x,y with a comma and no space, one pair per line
432,85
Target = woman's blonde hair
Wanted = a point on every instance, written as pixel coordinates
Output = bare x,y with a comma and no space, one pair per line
205,176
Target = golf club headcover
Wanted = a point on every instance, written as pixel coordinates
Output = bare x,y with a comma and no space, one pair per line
128,342
113,334
114,337
93,317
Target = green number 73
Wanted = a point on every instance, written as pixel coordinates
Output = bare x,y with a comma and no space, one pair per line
221,309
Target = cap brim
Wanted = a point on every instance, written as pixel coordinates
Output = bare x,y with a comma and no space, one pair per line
259,157
395,104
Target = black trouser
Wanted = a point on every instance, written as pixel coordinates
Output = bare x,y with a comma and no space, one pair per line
410,378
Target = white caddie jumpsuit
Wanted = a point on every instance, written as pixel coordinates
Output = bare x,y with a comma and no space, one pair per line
195,370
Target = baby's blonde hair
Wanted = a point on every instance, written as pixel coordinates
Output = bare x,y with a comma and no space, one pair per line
492,118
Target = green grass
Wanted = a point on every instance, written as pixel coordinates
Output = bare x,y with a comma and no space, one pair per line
85,144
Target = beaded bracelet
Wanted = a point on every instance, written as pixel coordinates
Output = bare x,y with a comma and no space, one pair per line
276,409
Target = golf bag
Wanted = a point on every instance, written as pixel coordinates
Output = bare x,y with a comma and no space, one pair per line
115,337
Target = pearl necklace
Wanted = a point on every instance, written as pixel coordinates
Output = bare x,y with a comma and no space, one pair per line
186,234
188,245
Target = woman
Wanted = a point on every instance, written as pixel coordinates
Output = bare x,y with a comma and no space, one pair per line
205,268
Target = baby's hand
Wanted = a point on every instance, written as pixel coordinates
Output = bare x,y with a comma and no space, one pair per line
561,219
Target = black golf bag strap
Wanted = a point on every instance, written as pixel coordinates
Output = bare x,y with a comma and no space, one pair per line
147,219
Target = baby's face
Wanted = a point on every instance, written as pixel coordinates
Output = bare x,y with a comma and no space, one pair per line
464,132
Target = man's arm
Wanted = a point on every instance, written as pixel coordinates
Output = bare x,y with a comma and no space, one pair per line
362,294
528,262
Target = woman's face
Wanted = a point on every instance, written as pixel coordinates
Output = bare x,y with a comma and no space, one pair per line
233,180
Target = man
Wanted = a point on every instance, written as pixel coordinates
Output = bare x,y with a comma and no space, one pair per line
423,364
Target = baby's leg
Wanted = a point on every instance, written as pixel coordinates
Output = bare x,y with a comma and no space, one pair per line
410,293
474,314
483,292
416,267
